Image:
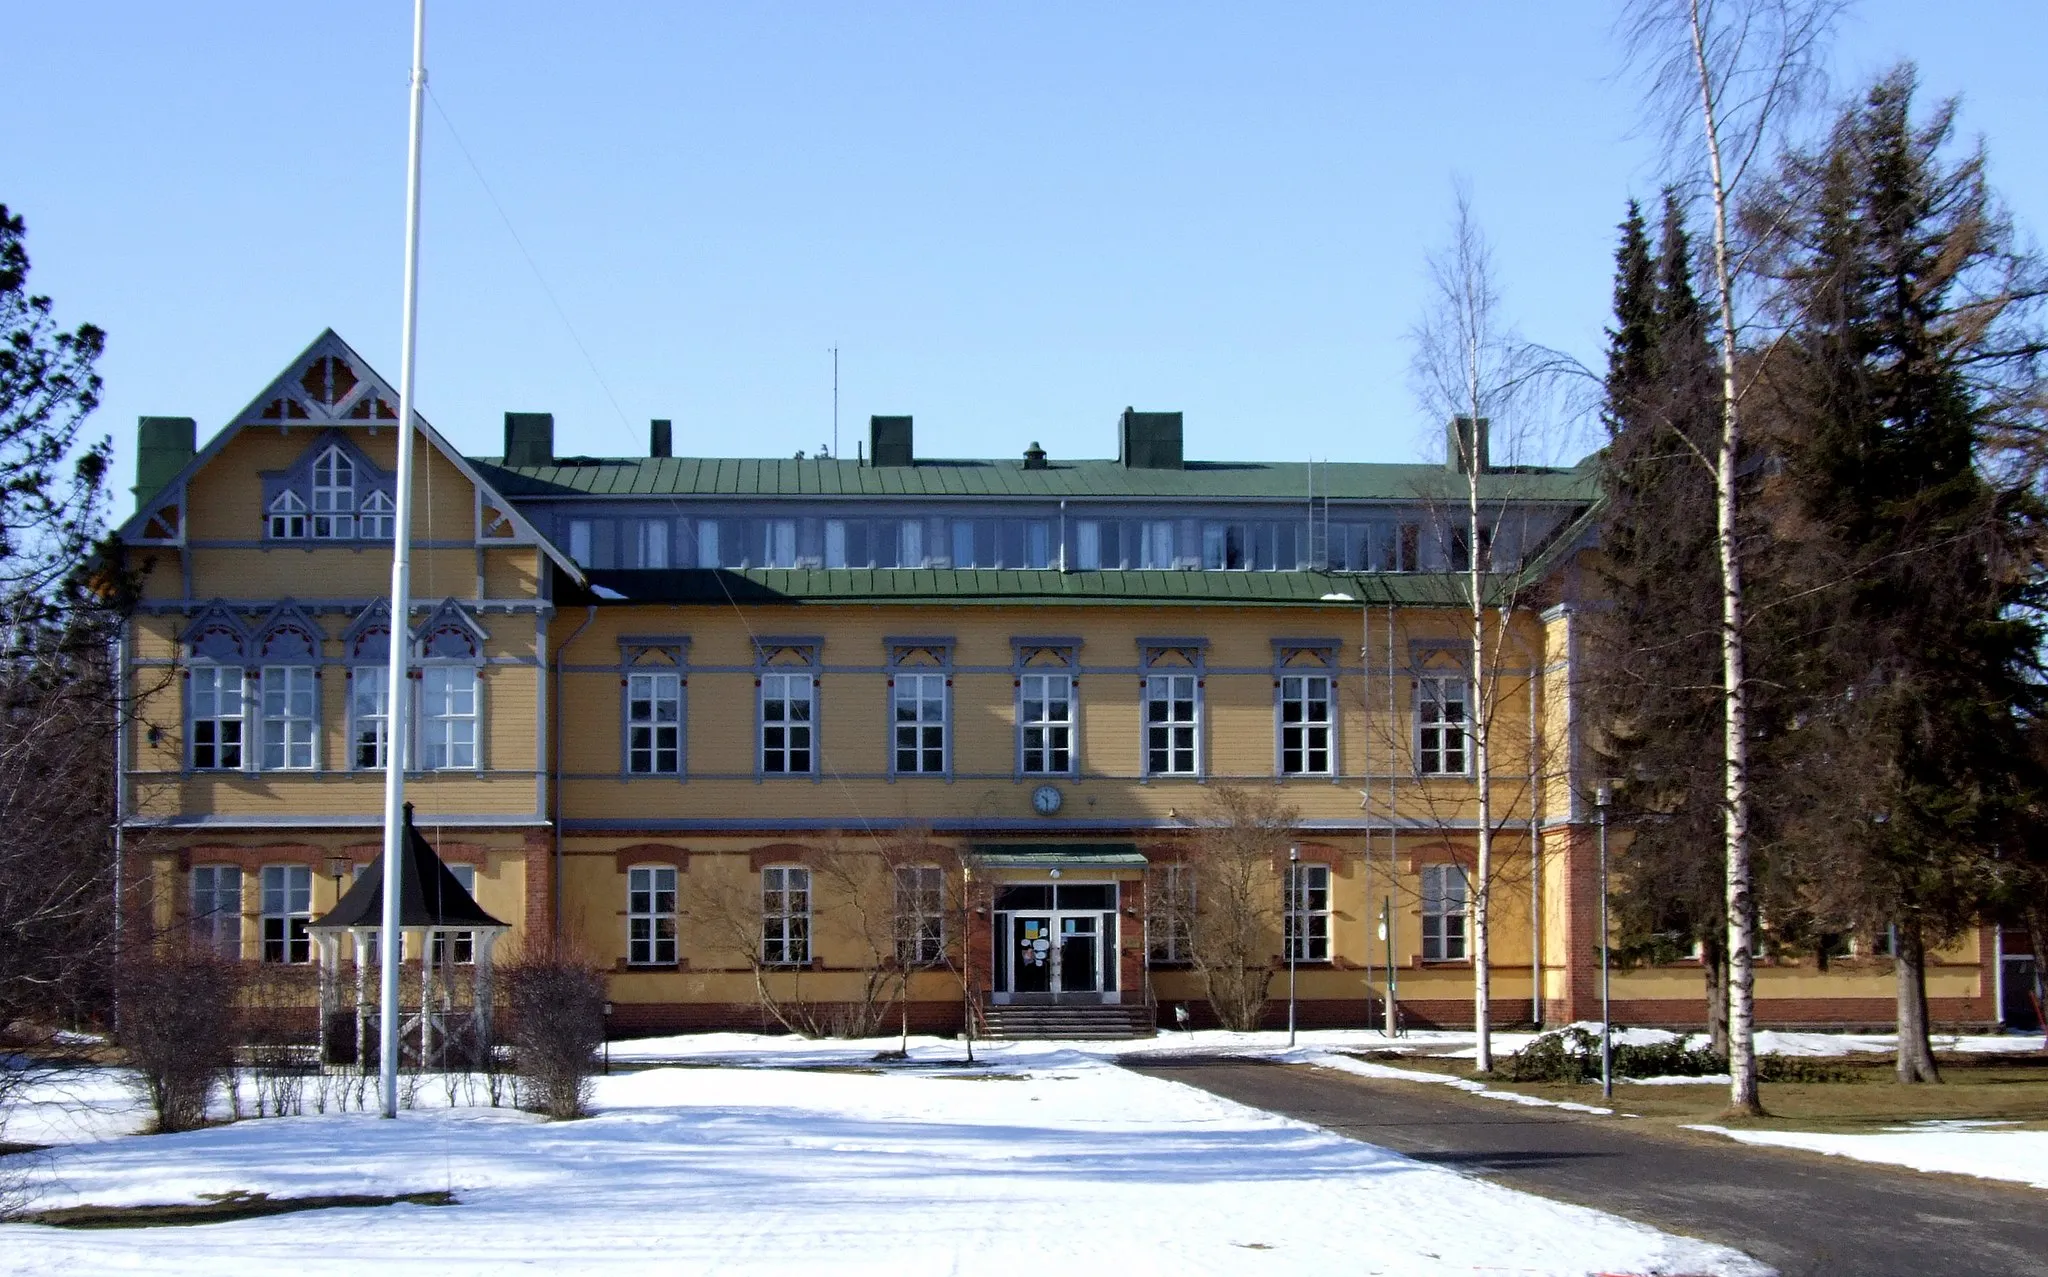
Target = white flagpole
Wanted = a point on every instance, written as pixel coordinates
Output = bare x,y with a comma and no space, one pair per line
395,689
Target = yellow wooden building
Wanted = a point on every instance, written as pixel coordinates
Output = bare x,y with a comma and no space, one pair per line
661,703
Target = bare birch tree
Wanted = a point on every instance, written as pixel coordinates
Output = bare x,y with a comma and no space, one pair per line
1474,373
1723,79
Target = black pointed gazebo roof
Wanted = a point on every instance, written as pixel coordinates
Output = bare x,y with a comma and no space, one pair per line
429,895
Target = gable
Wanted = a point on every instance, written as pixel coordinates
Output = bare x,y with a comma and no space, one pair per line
328,397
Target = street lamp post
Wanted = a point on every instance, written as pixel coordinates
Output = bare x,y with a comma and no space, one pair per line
1601,798
1290,930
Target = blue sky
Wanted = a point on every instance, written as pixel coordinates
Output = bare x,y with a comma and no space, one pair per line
1012,219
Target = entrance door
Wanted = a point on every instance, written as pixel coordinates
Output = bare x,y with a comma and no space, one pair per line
1080,965
1031,954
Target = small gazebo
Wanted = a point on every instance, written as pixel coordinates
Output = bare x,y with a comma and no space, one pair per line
432,905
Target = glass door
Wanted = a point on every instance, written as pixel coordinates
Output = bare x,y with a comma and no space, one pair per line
1080,964
1031,954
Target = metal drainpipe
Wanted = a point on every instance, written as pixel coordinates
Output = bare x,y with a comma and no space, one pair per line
589,615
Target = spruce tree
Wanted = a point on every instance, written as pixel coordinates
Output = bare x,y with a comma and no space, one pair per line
1908,354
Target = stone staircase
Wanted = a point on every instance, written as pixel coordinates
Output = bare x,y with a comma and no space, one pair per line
1069,1021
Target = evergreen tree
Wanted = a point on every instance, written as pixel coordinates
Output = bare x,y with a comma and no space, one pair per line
1909,353
1652,688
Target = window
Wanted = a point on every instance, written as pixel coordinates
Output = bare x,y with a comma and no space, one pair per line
1305,725
287,908
448,717
654,724
785,916
1088,545
778,543
1169,912
369,710
1045,715
334,495
289,696
216,718
288,517
1156,543
217,909
920,721
1441,721
786,724
1307,928
920,915
651,916
376,521
1171,724
1444,909
648,543
457,947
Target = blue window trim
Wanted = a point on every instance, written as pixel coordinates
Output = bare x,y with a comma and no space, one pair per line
631,648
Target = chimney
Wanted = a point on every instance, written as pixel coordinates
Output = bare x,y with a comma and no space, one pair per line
889,442
1034,457
1150,440
1460,446
163,446
660,438
529,438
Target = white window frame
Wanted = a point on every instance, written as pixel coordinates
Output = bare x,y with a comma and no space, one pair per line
334,500
919,708
450,718
457,948
920,915
1178,739
1055,735
287,911
654,723
1303,738
785,916
1446,913
1443,743
1305,932
286,519
786,690
225,732
377,518
652,936
369,726
216,896
1169,914
288,724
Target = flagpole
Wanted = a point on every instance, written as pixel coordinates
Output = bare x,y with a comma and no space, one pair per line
396,700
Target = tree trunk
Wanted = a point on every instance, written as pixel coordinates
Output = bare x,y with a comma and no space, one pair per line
1916,1053
1714,965
1742,1093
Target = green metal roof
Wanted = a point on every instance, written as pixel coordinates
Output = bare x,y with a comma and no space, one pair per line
1288,481
1016,586
1057,855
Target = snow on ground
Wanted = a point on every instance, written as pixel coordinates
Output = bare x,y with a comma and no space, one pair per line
1956,1147
762,1170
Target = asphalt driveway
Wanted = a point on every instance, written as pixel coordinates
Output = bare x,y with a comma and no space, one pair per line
1803,1213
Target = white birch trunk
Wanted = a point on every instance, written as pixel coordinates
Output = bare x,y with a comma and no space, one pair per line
1742,1093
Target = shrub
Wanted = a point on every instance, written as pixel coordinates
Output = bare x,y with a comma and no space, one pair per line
1572,1054
177,1022
557,1011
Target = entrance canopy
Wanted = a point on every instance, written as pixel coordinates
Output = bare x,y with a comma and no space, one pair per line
1059,855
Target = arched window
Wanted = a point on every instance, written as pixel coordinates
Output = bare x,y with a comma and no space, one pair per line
288,517
334,495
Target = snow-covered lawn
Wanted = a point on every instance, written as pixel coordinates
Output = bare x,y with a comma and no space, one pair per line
1964,1147
1065,1160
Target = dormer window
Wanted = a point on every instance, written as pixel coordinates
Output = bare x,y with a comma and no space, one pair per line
334,496
374,524
287,517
